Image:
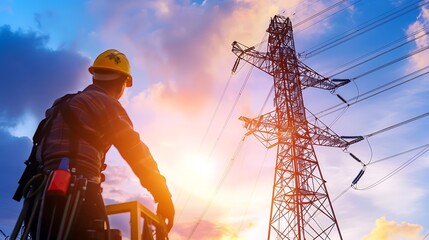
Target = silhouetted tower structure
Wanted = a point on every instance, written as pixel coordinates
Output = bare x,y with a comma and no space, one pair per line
301,207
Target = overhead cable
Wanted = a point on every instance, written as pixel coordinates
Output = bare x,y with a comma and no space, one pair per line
400,44
369,25
224,125
215,111
392,62
227,169
253,189
297,30
397,125
378,90
398,169
320,12
218,186
385,178
398,154
326,17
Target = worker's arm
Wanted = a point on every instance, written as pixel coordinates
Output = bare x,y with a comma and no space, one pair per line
138,156
144,166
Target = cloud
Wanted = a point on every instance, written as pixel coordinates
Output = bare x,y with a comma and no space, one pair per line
182,46
13,151
421,39
391,230
206,230
33,76
122,185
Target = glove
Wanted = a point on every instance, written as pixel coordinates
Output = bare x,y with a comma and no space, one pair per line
165,209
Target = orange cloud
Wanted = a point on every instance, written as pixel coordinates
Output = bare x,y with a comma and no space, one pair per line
206,230
390,230
186,47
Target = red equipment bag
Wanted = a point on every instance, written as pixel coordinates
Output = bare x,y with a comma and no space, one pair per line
60,180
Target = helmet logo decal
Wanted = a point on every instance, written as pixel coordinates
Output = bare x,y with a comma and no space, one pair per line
114,57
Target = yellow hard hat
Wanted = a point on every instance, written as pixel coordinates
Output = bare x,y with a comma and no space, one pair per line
114,60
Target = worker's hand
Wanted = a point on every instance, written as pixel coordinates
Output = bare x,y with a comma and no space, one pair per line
165,209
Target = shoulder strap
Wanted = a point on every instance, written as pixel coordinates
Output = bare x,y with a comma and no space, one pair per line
77,127
46,124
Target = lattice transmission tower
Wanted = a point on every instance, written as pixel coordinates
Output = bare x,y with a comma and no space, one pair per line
300,207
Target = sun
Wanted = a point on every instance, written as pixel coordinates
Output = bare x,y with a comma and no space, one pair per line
197,174
199,166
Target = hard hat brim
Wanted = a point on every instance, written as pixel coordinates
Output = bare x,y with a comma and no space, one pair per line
109,74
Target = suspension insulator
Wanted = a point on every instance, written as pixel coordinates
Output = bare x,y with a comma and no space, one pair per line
355,158
340,82
355,139
357,178
345,81
342,99
235,65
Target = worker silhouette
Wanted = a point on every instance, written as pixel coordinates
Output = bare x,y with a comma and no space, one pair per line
61,183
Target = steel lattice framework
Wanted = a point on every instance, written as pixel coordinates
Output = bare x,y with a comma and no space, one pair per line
301,207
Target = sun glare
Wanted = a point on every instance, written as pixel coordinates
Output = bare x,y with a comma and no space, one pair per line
198,175
200,167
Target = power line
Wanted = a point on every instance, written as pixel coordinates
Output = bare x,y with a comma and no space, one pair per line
223,95
425,146
210,124
427,235
377,69
326,17
374,92
384,65
228,168
233,106
225,124
218,186
320,13
359,30
224,175
392,62
400,44
226,171
216,110
253,189
300,6
397,170
397,125
398,154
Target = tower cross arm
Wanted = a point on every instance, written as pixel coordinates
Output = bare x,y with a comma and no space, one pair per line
264,128
325,137
322,135
255,58
310,78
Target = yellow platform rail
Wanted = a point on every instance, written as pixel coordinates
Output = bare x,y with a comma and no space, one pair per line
152,227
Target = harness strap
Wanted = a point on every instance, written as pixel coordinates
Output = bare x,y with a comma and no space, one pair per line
46,124
79,130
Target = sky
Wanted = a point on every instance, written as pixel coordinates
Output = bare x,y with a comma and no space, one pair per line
185,104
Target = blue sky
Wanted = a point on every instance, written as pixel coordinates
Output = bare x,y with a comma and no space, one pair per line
181,59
